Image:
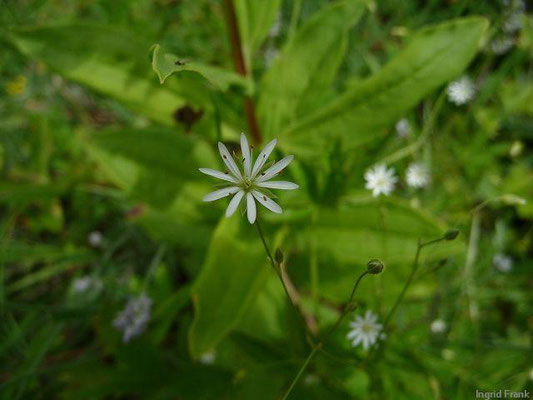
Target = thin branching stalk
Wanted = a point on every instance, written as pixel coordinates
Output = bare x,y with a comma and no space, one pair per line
399,299
350,306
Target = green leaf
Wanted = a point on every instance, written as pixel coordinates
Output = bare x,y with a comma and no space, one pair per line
364,228
307,64
434,56
112,62
234,271
255,21
152,163
166,64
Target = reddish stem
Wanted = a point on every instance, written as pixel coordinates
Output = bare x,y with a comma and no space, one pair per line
240,67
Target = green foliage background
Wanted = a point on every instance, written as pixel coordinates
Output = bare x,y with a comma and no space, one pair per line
100,130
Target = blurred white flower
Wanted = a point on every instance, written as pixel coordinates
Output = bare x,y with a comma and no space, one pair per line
417,175
438,326
95,238
501,45
380,180
502,262
365,331
86,283
208,358
461,91
251,182
403,128
270,54
275,29
133,319
513,22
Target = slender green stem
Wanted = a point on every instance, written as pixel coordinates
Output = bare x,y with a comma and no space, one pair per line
424,135
302,369
153,264
275,266
399,299
348,308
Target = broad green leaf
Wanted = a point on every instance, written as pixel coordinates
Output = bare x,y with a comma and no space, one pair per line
255,21
152,163
434,56
234,270
165,64
364,228
307,64
112,62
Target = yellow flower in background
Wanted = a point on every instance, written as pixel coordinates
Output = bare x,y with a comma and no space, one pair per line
17,85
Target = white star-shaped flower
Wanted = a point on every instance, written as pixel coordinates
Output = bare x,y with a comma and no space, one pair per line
365,330
417,175
461,91
251,183
380,180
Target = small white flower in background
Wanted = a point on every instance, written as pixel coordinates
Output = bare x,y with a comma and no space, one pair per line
311,379
95,238
380,180
250,184
133,319
461,91
270,55
403,128
513,22
417,175
501,45
275,29
86,283
365,330
502,262
438,326
208,358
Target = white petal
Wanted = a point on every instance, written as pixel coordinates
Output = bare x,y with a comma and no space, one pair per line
247,155
267,202
273,170
218,194
217,174
262,157
284,185
229,161
234,203
250,207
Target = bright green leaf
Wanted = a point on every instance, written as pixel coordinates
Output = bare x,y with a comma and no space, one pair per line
434,56
166,64
307,64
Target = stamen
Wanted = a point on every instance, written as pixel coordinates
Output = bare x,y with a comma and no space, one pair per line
264,198
224,157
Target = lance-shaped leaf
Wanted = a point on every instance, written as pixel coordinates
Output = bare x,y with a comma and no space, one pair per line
307,64
255,18
434,56
112,62
166,64
234,270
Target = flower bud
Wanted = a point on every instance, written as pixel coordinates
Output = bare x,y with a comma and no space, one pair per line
279,256
451,234
375,266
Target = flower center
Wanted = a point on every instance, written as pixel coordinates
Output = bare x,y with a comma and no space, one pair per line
366,328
